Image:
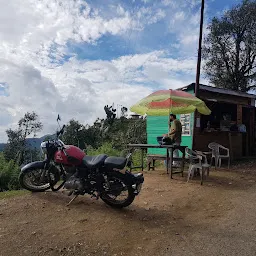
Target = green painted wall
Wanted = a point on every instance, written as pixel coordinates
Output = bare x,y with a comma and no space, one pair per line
158,125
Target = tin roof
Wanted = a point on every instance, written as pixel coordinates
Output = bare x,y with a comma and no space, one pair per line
219,90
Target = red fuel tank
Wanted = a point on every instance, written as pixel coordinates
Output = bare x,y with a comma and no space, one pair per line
74,156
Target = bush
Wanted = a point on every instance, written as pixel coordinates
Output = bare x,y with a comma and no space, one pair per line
109,149
136,158
106,148
9,174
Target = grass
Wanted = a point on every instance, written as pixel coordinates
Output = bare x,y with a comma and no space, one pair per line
12,193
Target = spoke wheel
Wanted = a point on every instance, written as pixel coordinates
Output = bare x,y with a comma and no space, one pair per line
35,180
119,193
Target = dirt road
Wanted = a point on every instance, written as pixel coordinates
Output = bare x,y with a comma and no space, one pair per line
170,217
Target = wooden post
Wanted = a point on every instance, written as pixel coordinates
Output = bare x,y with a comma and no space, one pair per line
230,146
167,161
239,114
171,160
253,131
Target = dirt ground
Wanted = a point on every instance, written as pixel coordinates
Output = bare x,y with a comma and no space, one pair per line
169,217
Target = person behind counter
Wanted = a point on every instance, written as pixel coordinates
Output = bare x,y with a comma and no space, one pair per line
242,128
237,128
233,127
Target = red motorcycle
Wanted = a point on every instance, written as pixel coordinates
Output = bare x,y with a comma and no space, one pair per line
67,166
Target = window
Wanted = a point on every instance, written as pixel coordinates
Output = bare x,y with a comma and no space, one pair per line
185,122
221,116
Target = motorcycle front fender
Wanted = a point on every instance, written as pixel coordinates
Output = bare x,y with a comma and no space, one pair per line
33,165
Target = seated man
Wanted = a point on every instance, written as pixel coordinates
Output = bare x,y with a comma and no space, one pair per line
174,135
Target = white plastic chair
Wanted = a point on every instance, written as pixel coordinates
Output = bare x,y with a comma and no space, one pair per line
217,154
202,164
193,159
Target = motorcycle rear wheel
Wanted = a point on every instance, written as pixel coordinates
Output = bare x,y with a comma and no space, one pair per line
118,182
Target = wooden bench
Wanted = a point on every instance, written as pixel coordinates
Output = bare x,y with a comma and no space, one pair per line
151,159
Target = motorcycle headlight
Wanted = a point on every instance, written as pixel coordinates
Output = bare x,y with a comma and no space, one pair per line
43,147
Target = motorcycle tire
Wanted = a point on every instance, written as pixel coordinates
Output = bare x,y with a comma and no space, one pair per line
113,202
32,187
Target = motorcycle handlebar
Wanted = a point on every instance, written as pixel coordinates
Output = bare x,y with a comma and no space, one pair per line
61,142
61,131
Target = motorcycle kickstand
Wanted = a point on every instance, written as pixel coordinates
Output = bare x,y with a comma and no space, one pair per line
72,200
70,193
97,196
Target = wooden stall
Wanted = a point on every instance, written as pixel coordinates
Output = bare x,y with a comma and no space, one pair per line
231,123
231,112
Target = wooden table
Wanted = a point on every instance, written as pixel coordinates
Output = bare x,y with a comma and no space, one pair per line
169,156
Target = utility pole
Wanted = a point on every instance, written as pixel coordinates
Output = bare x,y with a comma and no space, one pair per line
199,50
198,66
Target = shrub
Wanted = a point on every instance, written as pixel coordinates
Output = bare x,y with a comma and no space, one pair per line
9,174
106,148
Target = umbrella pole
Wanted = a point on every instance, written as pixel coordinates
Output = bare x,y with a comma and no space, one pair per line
169,126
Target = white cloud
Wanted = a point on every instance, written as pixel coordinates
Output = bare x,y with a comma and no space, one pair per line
33,39
179,16
189,39
80,89
184,23
35,30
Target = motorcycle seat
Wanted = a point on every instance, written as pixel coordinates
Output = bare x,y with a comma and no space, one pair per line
93,162
115,162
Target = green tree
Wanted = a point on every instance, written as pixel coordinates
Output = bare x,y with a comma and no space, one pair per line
118,134
79,135
14,144
124,112
73,133
122,132
230,48
16,147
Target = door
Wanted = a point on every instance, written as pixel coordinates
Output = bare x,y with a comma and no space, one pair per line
248,119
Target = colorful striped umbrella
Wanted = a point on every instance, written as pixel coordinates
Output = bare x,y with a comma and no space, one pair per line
164,102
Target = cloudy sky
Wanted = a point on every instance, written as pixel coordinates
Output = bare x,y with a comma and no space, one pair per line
72,57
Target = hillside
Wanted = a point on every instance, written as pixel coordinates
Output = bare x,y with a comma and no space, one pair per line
2,145
35,142
31,142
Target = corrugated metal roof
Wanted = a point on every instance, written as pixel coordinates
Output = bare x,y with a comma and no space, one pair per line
219,90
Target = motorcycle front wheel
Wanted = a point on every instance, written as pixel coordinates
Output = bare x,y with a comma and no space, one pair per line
35,180
119,193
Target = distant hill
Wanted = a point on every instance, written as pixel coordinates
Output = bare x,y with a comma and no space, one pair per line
2,145
31,142
36,142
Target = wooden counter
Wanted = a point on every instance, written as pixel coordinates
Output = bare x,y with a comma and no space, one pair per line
231,140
